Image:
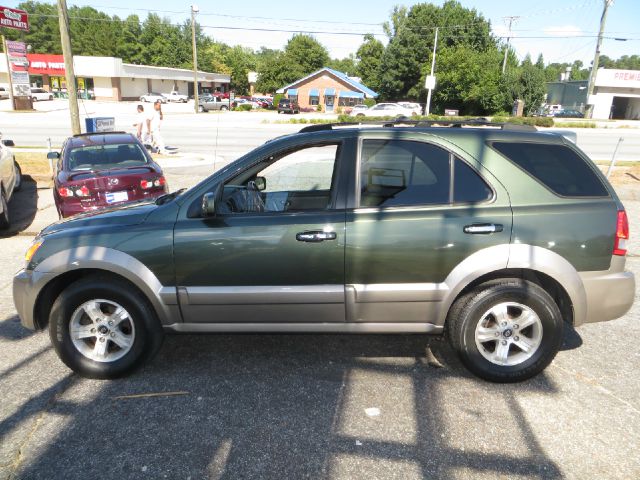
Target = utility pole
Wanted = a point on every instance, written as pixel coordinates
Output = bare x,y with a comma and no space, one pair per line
63,17
596,59
506,50
194,10
430,83
6,56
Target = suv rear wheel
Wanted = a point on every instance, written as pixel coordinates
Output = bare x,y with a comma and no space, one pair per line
102,328
506,330
4,216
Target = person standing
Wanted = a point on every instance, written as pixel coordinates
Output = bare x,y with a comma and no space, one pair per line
155,123
143,126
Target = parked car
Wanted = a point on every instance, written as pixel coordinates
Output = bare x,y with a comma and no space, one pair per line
385,110
210,102
175,97
4,92
243,101
10,180
567,113
357,109
153,97
414,108
494,235
39,94
98,170
288,106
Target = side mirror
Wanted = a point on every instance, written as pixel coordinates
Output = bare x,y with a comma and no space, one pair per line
8,143
261,183
53,155
209,204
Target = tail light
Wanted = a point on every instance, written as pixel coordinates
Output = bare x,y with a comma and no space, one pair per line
83,191
147,184
622,234
67,192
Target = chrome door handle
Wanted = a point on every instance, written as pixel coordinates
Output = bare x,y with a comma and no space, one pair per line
483,228
315,236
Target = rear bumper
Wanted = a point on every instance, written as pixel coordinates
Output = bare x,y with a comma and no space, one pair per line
609,294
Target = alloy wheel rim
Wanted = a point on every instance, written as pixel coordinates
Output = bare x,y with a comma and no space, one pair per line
508,334
102,330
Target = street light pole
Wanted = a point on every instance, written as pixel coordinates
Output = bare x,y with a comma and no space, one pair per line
427,107
596,60
194,10
63,17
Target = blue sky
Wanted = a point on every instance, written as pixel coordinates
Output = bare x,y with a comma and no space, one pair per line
562,30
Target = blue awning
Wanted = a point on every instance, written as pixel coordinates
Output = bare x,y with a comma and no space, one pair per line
314,92
329,91
351,94
292,91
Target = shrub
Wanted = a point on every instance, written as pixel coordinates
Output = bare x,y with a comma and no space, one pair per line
243,108
276,99
369,102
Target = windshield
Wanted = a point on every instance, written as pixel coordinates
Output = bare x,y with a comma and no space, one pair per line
105,157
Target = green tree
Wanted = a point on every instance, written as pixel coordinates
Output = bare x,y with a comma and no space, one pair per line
369,57
411,43
346,65
306,55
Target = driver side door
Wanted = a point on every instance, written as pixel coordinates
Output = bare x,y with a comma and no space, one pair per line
274,250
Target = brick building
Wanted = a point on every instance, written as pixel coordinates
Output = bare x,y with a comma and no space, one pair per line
329,88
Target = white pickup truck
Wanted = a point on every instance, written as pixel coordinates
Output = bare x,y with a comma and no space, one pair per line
175,97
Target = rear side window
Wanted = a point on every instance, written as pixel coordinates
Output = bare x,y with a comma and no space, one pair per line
557,167
468,187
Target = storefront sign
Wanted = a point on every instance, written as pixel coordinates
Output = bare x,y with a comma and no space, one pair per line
17,53
618,78
13,18
45,64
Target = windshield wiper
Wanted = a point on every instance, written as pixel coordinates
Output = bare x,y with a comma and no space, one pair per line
168,197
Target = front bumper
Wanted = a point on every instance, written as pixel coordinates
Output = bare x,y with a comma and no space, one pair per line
27,285
609,294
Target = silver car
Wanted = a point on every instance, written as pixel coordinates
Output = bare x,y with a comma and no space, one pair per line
10,180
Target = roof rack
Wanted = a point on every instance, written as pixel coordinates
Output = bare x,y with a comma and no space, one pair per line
474,122
86,134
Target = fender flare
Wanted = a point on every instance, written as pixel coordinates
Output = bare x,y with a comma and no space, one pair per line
163,299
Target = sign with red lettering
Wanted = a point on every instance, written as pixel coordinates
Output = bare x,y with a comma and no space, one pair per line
13,18
46,64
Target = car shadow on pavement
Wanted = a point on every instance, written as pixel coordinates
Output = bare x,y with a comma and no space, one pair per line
22,208
12,329
289,406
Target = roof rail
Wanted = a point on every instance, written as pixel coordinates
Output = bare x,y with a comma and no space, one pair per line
473,122
86,134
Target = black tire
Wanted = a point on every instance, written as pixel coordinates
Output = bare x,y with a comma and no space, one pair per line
4,216
50,97
200,108
148,331
359,114
466,313
224,109
18,184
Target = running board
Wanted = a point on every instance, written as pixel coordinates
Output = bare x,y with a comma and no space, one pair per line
304,328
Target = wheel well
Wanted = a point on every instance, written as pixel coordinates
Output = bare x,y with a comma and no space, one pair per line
52,290
549,284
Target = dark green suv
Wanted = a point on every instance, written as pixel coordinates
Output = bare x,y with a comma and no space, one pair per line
495,235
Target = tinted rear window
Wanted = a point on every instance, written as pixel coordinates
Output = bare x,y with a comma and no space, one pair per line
104,157
557,167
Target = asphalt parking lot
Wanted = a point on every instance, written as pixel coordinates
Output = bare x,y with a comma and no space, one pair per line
322,406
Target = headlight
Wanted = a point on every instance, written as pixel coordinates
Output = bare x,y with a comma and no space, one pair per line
32,250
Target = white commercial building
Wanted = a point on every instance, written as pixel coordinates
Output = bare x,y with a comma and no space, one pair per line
109,78
616,94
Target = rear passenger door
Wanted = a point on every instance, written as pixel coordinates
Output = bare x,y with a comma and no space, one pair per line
418,210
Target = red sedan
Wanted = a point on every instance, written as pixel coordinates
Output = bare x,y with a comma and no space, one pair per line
98,170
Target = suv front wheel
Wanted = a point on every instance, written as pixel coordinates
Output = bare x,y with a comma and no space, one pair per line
506,330
102,328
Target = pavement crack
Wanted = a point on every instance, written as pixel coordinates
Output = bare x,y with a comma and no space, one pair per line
590,381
